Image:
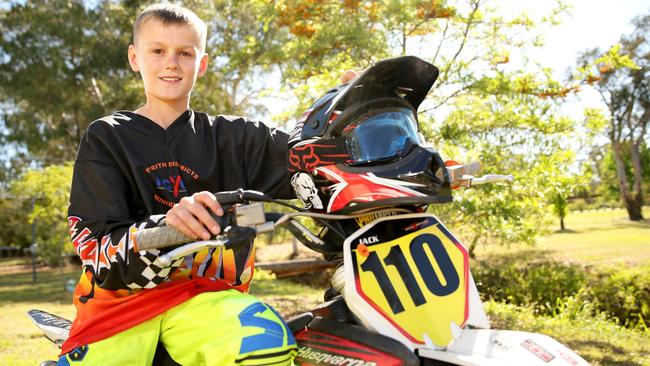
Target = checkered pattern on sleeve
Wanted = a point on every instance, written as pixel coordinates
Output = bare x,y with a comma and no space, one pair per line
151,271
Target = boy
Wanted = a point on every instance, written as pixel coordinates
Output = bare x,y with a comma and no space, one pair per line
164,158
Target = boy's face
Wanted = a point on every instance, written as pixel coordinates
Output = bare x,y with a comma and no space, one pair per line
169,59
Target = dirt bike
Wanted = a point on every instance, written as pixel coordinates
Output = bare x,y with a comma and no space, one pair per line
402,292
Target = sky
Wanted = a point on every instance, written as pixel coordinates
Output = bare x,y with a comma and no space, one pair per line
591,23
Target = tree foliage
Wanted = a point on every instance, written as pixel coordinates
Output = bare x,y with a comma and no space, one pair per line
61,65
15,228
509,133
481,106
46,192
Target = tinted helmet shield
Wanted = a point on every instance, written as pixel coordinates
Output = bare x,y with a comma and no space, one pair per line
381,135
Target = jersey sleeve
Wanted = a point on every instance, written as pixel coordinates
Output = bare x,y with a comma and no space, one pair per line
266,159
101,217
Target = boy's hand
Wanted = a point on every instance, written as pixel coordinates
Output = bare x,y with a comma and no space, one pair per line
191,216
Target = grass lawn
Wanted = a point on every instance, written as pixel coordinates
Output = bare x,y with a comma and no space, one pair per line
22,343
595,238
16,261
599,341
602,238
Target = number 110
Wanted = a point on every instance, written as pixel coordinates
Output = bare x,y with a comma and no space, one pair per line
397,259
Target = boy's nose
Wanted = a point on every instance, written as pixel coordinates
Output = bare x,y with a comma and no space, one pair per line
171,62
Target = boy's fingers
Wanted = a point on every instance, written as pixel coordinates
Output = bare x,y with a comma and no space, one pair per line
191,215
202,214
209,200
173,221
189,219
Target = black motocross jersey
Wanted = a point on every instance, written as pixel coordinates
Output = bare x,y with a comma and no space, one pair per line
129,171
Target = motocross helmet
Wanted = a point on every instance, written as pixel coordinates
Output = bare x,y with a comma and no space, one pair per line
358,146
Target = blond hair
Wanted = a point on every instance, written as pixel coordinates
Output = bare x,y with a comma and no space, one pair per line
171,14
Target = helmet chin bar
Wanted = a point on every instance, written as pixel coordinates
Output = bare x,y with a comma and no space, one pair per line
434,175
419,177
422,166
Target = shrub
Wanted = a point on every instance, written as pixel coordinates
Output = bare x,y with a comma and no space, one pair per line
563,290
623,294
538,283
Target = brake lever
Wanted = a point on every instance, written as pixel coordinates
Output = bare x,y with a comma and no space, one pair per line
490,178
232,237
193,247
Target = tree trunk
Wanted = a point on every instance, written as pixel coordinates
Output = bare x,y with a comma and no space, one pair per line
637,195
633,207
633,202
472,247
562,228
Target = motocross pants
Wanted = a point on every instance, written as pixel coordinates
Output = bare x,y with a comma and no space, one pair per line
213,328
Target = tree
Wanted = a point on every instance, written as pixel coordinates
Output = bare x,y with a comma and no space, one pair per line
46,193
61,63
622,77
564,188
487,109
609,171
514,133
480,107
15,226
560,207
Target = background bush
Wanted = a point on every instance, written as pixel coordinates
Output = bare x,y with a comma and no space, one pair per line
532,280
554,288
623,294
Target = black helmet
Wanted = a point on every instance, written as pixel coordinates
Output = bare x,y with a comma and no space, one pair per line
358,146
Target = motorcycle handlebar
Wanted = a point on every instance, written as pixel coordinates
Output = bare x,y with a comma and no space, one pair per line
253,216
464,175
247,216
166,236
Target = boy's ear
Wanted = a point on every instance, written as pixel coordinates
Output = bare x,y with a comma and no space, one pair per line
133,59
203,65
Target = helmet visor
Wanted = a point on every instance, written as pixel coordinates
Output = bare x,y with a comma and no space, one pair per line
381,136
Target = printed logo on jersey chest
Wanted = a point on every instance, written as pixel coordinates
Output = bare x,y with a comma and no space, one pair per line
172,183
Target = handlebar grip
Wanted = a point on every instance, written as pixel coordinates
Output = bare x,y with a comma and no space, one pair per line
159,237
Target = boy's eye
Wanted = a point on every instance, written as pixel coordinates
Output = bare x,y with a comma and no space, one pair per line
157,51
186,54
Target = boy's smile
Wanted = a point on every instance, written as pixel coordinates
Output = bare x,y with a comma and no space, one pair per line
169,59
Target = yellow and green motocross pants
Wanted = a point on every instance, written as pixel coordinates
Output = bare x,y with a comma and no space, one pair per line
213,328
